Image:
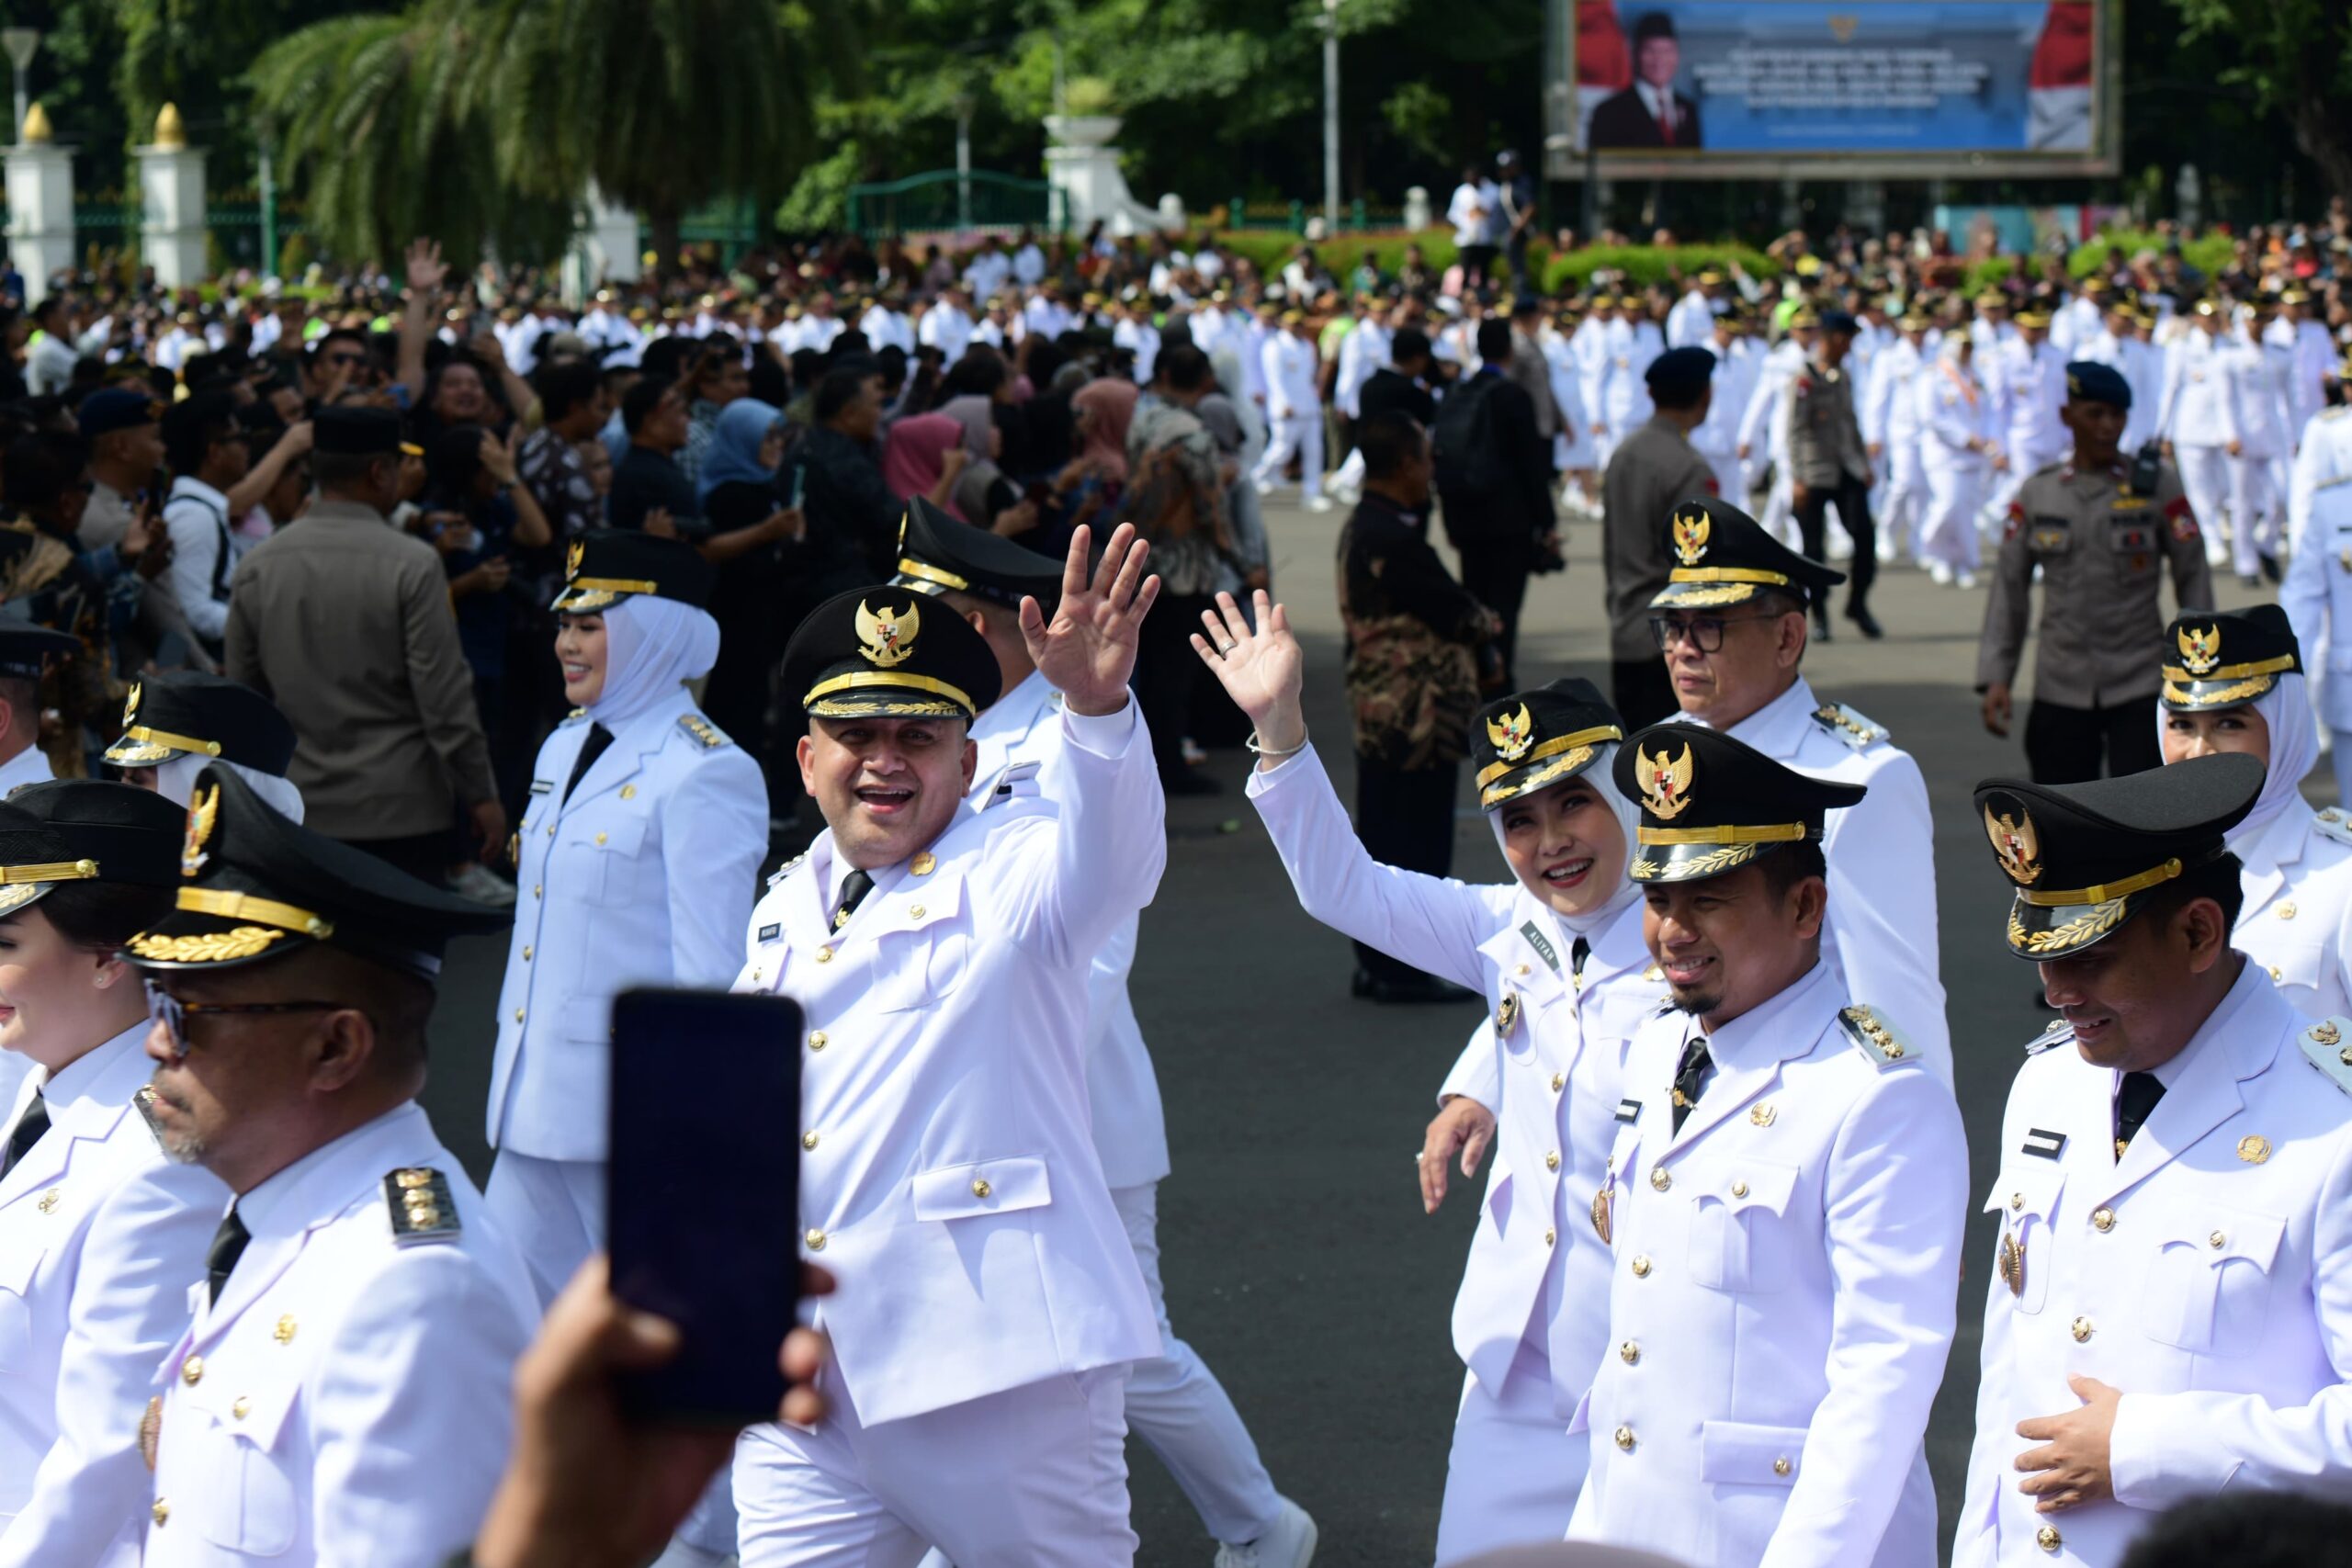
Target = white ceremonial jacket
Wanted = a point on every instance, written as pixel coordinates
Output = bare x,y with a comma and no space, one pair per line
2317,593
950,1179
349,1398
1551,1077
2296,923
2200,404
1881,935
1121,1091
28,766
2208,1275
100,1237
643,876
1783,1297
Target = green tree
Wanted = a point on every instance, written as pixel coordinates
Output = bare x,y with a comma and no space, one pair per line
2295,56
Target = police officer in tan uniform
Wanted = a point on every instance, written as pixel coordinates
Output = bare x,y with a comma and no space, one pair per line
1829,465
2100,529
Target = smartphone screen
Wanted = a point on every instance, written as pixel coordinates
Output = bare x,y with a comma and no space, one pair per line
799,486
702,1193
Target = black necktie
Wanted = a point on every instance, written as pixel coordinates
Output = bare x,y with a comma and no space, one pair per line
228,1245
855,887
2132,1102
27,1133
1577,953
598,739
1690,1078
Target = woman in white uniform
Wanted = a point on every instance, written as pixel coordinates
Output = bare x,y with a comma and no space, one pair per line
2233,682
178,724
101,1237
636,865
1956,428
1560,955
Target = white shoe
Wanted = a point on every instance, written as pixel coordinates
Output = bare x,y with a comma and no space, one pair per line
1939,574
1194,756
1318,503
1965,580
483,885
1289,1542
1263,487
1886,552
1840,549
1346,495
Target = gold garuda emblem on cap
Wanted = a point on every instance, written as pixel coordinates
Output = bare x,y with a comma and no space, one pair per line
571,559
1692,526
2200,651
1665,786
887,638
131,704
1512,734
2015,844
203,811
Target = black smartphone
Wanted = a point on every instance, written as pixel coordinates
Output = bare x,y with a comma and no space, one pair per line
799,486
702,1194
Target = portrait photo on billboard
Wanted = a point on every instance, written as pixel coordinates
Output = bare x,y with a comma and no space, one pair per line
1865,78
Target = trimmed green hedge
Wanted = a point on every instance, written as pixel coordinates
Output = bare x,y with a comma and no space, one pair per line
1644,264
2209,255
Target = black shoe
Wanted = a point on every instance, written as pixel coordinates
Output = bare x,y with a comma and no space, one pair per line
1412,990
2270,568
1860,616
1189,783
1363,982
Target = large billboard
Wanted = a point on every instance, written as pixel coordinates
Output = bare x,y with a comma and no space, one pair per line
1898,88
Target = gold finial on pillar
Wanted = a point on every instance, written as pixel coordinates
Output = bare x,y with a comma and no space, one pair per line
169,131
37,131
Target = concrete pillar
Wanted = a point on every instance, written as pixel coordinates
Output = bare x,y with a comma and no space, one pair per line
1084,166
40,204
170,202
604,249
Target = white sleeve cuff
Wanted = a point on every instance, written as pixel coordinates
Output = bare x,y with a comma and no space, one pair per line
1263,779
1105,735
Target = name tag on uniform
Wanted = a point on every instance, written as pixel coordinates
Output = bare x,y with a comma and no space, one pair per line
2047,1145
769,933
2130,503
1542,944
541,786
1628,1110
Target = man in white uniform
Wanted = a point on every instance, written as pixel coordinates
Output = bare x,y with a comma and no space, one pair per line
1293,410
2169,1309
2260,367
2317,593
947,326
2200,421
2031,377
1891,432
989,1300
1738,363
1762,430
26,650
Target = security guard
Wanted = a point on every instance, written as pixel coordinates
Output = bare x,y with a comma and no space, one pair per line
1652,468
2099,530
1785,1200
1730,625
1174,1402
2165,1312
100,1236
1828,465
2233,682
26,651
2317,590
343,1395
636,865
1558,955
177,723
989,1299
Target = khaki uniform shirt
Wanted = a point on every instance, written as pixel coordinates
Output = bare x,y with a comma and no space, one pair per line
1825,438
1651,470
2101,550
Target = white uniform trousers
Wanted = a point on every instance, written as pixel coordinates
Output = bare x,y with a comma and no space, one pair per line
1779,517
2205,479
1514,1475
1903,503
1348,478
1948,529
552,1210
1034,1477
1292,436
2255,507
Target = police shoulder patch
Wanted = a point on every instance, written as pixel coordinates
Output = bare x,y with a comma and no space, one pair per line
702,731
2327,1044
2333,824
423,1211
1849,726
1874,1037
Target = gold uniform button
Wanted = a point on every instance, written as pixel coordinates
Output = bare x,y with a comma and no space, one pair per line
1659,1178
2081,1329
815,1239
1626,1438
2276,974
526,952
1523,971
550,829
808,1140
242,1407
1551,1160
915,913
1559,1082
1550,1235
1629,1353
2047,1538
535,889
600,838
924,865
2287,910
2102,1220
1780,1466
1641,1266
518,1015
818,1039
2218,1240
824,955
628,792
192,1370
980,1188
1740,1189
160,1512
2017,1199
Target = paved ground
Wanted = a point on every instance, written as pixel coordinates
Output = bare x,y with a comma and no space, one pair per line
1297,1259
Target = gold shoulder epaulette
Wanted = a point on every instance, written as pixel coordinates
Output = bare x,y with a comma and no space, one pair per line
1877,1039
2333,824
1849,726
2325,1047
2058,1033
422,1208
787,868
704,732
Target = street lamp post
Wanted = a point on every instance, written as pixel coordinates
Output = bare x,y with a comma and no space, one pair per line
963,162
1330,117
22,44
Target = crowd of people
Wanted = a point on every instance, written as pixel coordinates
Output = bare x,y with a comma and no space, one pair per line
405,617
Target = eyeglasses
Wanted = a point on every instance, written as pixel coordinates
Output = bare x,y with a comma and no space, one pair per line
173,1013
1704,632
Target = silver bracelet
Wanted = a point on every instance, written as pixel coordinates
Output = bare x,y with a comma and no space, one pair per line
1258,750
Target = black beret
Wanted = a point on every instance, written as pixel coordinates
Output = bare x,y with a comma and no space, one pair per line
2089,381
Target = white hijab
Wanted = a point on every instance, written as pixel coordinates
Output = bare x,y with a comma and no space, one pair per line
176,781
652,645
2286,708
1629,817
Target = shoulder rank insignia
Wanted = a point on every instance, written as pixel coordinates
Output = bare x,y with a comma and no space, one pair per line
787,868
1877,1038
1018,782
422,1208
2058,1033
1849,726
575,716
144,1103
2329,1051
2333,824
706,733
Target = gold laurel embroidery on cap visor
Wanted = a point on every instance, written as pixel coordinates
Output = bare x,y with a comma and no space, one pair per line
2015,844
1715,863
889,638
1511,734
1665,784
1693,525
2220,696
203,811
1536,778
2200,651
211,947
572,558
130,705
2080,931
1688,596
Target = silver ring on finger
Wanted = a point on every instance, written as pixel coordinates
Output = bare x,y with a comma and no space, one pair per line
1225,647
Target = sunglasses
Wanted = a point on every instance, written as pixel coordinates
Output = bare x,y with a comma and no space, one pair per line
173,1013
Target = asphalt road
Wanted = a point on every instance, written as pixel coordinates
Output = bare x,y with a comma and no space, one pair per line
1297,1256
